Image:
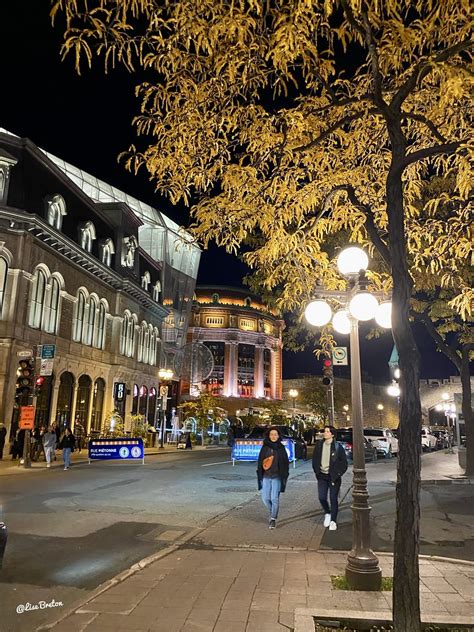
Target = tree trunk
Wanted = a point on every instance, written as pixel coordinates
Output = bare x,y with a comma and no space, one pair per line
467,408
406,596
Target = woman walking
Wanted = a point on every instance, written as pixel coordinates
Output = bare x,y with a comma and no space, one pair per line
329,465
49,445
272,472
67,444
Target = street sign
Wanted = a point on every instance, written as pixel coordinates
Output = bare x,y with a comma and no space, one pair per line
121,449
48,352
339,356
249,449
46,367
27,417
25,354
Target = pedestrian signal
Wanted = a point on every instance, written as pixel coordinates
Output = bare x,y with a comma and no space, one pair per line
327,372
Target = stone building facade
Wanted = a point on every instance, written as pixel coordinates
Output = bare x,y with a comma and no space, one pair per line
245,339
102,276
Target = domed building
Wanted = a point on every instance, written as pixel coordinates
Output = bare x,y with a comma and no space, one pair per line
245,339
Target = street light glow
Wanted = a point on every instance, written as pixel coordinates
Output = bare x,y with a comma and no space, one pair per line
393,390
341,322
379,406
363,306
445,396
352,260
293,393
318,313
383,315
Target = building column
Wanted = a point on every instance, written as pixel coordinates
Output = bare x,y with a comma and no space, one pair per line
234,368
273,374
258,374
89,409
72,414
230,369
54,402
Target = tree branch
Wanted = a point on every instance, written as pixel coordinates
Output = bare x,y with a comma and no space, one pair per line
440,343
429,124
374,60
427,152
422,69
335,126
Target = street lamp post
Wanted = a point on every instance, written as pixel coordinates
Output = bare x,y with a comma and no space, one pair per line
362,570
380,411
165,375
293,393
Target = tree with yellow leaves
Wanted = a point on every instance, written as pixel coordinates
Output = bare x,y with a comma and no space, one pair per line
288,121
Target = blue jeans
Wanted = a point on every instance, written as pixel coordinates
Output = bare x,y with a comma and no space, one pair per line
67,457
325,485
271,488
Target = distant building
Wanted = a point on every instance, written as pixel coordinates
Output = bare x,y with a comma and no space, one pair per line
104,277
244,337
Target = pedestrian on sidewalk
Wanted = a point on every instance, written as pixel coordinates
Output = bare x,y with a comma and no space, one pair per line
3,435
329,465
49,445
272,472
67,445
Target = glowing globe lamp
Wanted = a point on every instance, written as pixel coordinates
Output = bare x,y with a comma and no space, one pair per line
341,322
393,390
363,306
383,315
318,313
352,260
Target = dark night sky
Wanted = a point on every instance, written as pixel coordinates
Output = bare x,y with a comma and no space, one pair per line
87,121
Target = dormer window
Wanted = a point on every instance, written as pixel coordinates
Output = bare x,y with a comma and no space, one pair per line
146,280
215,298
157,291
107,249
55,211
130,245
87,235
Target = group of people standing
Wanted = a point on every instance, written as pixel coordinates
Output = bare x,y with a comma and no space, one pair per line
329,465
42,440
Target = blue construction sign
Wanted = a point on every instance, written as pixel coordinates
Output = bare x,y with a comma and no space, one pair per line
249,449
120,449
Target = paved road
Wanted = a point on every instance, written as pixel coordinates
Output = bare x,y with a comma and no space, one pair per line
71,531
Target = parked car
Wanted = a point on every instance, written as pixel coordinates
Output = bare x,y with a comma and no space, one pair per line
344,437
428,440
3,541
443,439
301,449
383,439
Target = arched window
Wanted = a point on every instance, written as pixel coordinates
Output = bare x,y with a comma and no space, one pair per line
130,346
97,404
215,298
150,345
91,319
78,323
3,281
87,235
52,306
123,333
55,211
141,343
146,345
154,342
107,250
157,291
129,247
146,280
101,325
37,299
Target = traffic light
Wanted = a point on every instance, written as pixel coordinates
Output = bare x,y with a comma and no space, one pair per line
327,372
25,379
38,384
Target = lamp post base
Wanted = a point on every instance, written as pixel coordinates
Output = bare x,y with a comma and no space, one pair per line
363,573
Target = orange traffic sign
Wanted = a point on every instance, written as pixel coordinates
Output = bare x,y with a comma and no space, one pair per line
27,417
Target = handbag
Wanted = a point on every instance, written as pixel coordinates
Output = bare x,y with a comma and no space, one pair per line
267,462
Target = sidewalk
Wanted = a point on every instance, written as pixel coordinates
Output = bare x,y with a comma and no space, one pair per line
236,575
8,467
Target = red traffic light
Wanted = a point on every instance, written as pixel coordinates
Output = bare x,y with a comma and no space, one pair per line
39,381
327,363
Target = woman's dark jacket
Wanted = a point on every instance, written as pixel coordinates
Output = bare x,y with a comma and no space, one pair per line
337,460
277,449
68,441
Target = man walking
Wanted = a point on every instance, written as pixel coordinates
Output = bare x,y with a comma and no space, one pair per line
329,465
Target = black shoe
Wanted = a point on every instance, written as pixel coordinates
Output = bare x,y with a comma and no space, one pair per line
272,524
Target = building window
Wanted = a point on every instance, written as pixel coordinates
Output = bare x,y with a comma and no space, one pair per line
129,247
52,307
142,353
157,291
215,298
37,299
127,335
152,406
55,211
267,372
247,324
97,405
214,321
143,404
3,281
245,370
83,398
135,399
248,302
91,320
107,249
215,382
79,313
101,325
87,236
146,280
65,393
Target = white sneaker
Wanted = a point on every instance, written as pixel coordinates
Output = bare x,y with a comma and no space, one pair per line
48,464
332,526
327,520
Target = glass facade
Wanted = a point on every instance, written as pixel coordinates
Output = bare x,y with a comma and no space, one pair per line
245,370
215,383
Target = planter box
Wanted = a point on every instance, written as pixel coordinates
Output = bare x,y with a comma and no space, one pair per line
306,618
